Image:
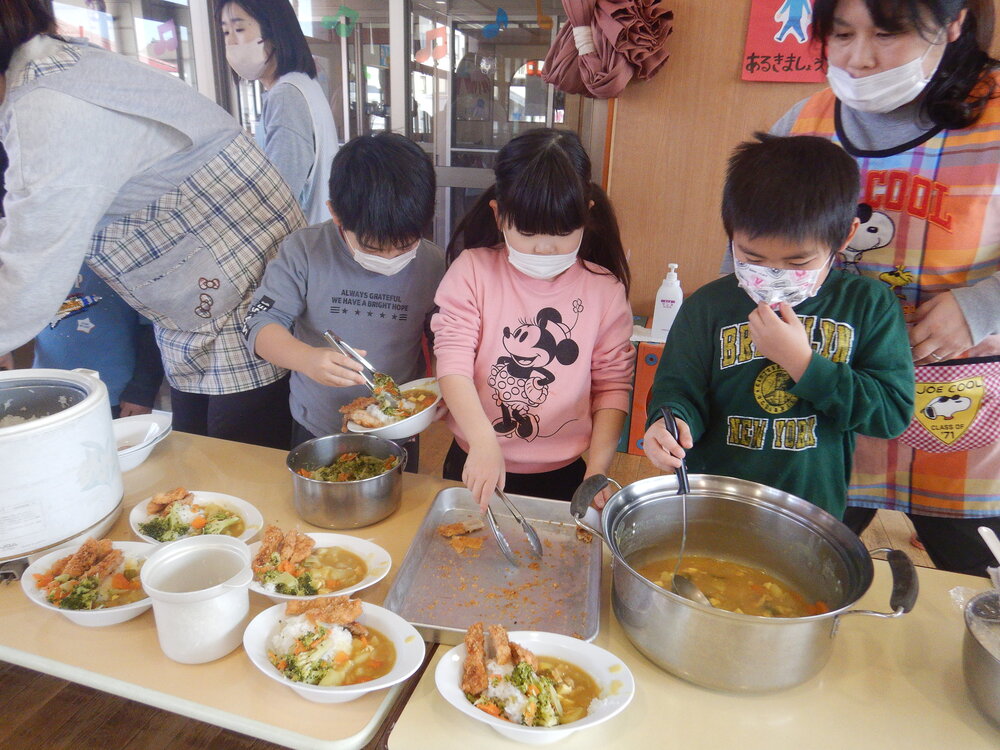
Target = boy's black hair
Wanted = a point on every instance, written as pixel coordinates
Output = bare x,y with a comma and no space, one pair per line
543,186
20,20
382,188
963,82
280,27
798,188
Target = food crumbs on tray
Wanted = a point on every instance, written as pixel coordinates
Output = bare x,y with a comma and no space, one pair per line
448,530
535,566
584,536
462,543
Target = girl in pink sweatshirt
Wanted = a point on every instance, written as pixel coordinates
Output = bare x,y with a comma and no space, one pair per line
532,336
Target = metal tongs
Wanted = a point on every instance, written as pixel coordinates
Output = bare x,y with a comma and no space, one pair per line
529,531
349,351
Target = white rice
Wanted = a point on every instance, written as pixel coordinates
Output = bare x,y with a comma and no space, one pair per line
293,628
513,700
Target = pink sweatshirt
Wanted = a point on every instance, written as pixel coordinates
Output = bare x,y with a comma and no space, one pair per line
543,354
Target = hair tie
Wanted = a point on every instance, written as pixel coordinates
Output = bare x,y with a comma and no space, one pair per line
583,36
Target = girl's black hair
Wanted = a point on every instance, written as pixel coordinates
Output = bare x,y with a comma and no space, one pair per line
382,188
963,84
543,186
20,20
280,27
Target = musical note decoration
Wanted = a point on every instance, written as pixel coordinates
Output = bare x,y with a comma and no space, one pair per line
490,30
544,21
343,22
439,50
167,41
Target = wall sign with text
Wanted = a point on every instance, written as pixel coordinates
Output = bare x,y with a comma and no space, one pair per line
779,47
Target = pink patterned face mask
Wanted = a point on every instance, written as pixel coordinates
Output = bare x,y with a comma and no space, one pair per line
773,286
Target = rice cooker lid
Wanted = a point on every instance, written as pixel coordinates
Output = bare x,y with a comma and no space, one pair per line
34,398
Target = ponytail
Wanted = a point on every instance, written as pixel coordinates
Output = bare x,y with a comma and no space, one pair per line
478,228
963,84
602,243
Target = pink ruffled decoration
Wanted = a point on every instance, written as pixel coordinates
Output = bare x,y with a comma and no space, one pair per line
601,47
638,30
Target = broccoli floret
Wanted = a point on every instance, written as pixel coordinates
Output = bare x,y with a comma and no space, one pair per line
166,528
284,583
549,705
522,676
219,524
82,596
306,585
157,528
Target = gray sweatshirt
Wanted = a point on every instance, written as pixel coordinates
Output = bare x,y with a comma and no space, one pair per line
315,284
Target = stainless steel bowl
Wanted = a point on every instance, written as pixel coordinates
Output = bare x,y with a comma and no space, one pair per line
981,664
345,505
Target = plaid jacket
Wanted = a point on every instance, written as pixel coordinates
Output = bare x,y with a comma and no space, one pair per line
190,260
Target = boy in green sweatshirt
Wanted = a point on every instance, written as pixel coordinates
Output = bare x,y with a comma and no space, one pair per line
770,383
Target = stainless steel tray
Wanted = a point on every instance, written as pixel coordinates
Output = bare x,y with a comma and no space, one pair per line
441,591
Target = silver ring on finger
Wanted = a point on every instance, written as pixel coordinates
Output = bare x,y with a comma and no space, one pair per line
937,357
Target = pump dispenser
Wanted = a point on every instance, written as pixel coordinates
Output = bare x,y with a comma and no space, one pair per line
668,301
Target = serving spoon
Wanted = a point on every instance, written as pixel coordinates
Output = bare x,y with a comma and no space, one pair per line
682,585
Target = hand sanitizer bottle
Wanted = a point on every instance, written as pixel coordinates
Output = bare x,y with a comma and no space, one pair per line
668,301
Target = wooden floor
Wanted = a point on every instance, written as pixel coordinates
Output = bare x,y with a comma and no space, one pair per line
38,712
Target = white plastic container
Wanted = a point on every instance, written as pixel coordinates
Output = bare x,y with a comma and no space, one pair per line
59,473
201,597
668,301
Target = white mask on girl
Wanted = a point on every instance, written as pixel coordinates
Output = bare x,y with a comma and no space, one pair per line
881,92
773,286
248,59
541,266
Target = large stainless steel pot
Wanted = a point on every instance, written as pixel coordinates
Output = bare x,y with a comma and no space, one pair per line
345,505
981,653
751,524
59,472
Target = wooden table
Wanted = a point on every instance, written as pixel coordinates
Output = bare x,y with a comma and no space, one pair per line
889,684
126,659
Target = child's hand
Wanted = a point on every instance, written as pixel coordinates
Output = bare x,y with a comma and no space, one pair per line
782,340
484,472
661,448
328,367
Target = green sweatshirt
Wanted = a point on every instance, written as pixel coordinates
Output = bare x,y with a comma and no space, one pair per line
749,420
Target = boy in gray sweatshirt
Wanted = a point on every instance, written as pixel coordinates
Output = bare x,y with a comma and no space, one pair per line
366,274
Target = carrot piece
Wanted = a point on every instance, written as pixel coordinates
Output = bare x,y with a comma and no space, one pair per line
491,708
42,580
340,657
282,664
119,581
198,522
304,472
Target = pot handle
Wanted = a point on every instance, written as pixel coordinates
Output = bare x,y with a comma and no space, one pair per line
905,586
584,495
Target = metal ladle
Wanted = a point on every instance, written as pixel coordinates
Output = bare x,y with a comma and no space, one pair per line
682,585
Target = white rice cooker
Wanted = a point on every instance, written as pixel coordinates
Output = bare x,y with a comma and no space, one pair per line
58,460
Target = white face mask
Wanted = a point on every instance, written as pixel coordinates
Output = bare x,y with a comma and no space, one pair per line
773,286
248,59
380,265
541,266
881,92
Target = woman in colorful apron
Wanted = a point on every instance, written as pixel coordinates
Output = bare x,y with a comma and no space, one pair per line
912,98
162,194
265,43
